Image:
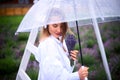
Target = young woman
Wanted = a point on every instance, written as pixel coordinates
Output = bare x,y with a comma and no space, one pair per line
53,58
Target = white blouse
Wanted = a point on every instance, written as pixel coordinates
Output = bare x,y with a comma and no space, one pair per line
54,63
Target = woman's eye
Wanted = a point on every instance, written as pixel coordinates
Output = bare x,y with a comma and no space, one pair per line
55,25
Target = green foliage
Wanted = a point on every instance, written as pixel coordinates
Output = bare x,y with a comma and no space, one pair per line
33,73
10,20
32,57
88,60
108,53
116,72
8,65
110,30
97,72
7,51
8,62
90,43
101,75
77,46
116,48
11,43
23,36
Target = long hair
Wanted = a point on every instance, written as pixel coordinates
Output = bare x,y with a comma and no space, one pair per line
45,31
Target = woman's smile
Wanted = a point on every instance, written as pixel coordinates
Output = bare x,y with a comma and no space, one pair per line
55,30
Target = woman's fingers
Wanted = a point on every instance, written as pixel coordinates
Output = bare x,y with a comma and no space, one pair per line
73,54
74,51
83,72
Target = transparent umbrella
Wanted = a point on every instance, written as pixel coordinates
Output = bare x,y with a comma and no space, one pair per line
75,12
72,10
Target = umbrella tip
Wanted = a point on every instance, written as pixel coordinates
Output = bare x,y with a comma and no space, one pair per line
16,33
103,18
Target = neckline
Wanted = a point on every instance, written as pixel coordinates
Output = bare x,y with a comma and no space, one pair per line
57,40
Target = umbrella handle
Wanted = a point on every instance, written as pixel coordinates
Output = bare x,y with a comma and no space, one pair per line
85,77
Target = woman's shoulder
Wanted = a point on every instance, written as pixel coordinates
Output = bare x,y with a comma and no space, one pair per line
46,40
42,39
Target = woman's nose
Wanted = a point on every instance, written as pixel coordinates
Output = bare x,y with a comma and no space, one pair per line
59,29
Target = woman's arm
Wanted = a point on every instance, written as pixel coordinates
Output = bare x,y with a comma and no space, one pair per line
54,70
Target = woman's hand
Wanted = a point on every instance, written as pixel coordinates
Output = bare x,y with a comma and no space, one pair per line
83,72
73,54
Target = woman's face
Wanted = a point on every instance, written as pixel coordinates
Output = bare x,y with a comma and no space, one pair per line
55,30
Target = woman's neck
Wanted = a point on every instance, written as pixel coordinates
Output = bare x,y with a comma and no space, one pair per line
43,37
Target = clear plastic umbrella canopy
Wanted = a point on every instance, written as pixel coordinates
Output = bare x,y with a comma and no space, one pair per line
46,12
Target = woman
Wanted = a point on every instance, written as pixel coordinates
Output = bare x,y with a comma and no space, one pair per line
53,55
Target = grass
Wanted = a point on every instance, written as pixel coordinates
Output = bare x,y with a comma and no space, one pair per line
9,63
12,48
33,73
88,60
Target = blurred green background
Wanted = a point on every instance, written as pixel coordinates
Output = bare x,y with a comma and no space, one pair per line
12,46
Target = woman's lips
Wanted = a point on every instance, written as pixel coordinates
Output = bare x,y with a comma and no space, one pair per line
58,34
